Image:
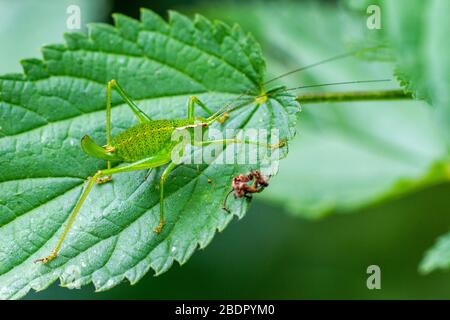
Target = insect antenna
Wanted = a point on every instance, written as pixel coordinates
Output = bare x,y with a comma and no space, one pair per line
335,84
228,107
312,65
282,89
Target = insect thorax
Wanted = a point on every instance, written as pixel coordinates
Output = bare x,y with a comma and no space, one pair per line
146,139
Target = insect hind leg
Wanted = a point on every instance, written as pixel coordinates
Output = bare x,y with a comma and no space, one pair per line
151,162
72,217
140,115
193,101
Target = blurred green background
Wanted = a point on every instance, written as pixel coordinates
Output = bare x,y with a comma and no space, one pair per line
273,253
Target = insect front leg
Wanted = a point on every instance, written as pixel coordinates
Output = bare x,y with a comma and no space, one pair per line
108,129
140,115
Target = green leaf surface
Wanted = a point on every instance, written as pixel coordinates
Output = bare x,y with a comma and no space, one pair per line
45,112
347,155
438,257
418,32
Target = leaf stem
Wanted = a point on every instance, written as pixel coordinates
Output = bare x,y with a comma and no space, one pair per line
353,96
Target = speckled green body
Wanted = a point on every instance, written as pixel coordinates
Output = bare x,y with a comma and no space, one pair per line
146,139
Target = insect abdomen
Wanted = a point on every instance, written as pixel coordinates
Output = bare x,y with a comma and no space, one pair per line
144,139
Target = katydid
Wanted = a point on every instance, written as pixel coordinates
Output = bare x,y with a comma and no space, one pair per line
148,144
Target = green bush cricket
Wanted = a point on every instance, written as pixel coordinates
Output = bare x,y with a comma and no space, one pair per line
148,144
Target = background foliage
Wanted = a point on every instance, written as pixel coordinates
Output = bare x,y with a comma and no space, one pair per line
348,155
279,256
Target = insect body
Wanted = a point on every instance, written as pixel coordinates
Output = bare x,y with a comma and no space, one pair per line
145,139
146,145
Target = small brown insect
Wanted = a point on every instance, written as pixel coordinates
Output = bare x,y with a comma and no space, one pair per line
244,185
209,181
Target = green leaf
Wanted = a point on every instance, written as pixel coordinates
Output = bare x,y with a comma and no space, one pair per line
347,155
418,32
45,112
438,257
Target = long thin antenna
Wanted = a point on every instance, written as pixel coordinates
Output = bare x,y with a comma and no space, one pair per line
315,64
337,57
336,84
228,107
316,85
